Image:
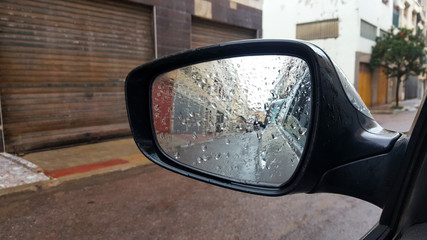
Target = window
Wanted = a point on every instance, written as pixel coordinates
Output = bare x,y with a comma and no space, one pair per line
368,30
396,15
318,30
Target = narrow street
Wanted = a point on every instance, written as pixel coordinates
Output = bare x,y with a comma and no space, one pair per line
152,203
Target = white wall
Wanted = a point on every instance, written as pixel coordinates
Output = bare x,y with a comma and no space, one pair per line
280,19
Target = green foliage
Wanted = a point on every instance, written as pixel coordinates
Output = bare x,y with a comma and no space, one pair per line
400,52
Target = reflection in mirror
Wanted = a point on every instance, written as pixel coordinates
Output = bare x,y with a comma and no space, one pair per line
243,118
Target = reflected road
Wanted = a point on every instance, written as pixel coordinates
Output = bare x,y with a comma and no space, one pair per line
263,157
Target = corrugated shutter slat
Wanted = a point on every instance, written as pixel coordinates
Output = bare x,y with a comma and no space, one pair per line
205,32
63,65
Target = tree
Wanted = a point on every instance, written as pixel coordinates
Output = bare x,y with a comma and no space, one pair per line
401,52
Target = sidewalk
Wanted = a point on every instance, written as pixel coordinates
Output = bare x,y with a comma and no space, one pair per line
52,167
408,105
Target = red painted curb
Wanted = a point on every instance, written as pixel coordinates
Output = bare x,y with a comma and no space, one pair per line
84,168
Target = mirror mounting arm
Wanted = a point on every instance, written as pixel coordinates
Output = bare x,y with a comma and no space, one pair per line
371,179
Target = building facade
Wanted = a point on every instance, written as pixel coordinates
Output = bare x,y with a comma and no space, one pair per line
346,30
411,14
63,63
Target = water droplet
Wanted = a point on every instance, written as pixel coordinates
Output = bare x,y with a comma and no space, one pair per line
274,135
227,155
177,155
204,148
191,114
259,135
161,135
156,107
217,156
227,141
194,137
262,159
199,160
205,157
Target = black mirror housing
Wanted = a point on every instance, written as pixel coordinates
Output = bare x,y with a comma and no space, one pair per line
339,133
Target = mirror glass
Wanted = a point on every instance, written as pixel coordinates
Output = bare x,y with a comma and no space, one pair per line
243,118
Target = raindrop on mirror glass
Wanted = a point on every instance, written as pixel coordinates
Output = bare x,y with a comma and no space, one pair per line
227,141
274,135
177,155
204,147
262,159
205,157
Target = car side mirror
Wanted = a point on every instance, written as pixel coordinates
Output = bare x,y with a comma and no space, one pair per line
269,117
240,118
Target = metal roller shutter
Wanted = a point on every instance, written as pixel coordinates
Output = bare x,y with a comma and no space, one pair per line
205,32
63,65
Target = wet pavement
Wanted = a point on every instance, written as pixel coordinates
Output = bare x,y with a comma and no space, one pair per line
399,120
153,203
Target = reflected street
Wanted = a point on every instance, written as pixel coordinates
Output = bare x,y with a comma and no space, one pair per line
262,157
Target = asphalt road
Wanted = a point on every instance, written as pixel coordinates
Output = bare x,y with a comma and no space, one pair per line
152,203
